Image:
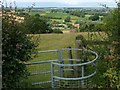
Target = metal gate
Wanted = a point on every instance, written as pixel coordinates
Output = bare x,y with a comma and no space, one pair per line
67,71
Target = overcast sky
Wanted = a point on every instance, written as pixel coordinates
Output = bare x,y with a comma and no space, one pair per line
64,2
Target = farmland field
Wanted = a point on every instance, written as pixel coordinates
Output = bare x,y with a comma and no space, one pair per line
62,16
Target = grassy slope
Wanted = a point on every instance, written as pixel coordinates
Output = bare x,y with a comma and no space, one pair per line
49,42
57,41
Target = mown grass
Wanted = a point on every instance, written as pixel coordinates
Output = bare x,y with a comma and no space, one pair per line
51,42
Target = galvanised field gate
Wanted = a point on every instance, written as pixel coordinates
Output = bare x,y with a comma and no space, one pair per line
65,71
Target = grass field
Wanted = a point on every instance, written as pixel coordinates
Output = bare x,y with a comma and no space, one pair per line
57,41
51,42
61,15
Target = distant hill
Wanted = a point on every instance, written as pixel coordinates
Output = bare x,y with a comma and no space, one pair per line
60,4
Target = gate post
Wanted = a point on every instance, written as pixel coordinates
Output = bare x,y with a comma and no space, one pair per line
52,75
61,68
70,55
80,44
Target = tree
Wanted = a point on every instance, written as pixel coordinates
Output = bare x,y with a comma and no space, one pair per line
112,28
94,17
16,50
37,15
77,13
67,19
36,25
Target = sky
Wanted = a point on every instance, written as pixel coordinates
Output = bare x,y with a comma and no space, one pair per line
62,3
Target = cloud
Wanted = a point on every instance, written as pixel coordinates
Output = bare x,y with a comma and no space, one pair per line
21,0
65,1
71,2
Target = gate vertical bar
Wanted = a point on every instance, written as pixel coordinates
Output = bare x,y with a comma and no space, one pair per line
52,75
82,82
61,62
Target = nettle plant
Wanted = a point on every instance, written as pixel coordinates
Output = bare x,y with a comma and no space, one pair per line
111,76
112,28
108,71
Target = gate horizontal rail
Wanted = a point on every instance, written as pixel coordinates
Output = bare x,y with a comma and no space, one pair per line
61,65
41,62
38,73
81,78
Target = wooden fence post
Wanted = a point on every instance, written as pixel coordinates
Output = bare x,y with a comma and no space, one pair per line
81,55
70,57
79,45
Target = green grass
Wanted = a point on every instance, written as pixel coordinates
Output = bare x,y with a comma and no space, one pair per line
50,42
63,16
59,15
33,13
58,41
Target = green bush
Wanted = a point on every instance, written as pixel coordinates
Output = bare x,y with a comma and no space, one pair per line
111,75
94,17
57,31
16,50
90,27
